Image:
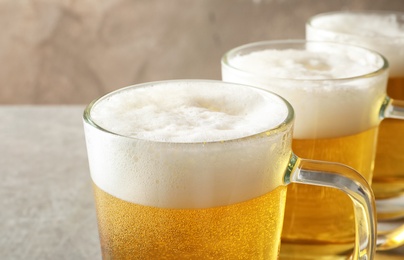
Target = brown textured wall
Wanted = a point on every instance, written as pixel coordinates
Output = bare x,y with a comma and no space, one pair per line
72,51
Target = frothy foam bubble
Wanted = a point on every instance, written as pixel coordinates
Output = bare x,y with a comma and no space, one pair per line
324,106
383,32
196,112
366,25
299,64
181,174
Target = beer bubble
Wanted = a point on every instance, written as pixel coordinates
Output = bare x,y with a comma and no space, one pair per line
379,31
193,144
330,86
166,113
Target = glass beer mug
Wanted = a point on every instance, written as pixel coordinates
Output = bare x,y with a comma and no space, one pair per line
198,169
338,93
382,31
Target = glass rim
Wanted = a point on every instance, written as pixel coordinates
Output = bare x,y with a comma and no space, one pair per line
281,127
310,21
226,60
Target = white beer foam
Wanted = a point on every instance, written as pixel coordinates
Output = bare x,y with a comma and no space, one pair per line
176,156
377,31
298,64
324,107
189,113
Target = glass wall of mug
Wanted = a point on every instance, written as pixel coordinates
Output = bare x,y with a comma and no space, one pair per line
338,92
384,32
197,169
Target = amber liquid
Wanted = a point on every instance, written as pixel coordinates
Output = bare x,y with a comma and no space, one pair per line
247,230
388,180
319,221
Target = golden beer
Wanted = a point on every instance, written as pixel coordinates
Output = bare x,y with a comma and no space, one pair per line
334,226
382,31
246,230
203,180
337,115
388,179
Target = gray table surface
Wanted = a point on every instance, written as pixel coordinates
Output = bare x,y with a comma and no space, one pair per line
47,209
46,204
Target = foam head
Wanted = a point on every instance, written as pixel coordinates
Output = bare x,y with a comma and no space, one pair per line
306,64
335,89
380,31
184,112
187,144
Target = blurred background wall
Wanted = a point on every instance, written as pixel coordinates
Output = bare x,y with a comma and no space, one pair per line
72,51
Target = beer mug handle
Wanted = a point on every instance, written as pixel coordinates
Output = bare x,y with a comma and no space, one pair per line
392,108
346,179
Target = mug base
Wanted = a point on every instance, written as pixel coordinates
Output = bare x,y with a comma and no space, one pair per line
295,251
